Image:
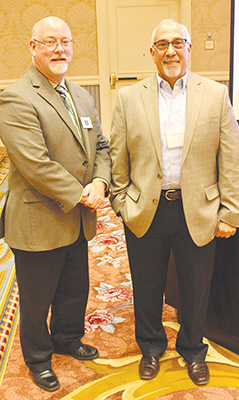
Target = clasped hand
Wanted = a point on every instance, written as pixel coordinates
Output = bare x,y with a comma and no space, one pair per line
93,195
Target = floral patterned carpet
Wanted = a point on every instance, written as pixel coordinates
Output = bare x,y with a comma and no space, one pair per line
9,299
110,327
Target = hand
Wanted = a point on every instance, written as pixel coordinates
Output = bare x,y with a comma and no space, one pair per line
93,195
224,230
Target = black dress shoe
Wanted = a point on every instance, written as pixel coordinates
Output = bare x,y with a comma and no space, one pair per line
84,352
46,380
148,367
199,373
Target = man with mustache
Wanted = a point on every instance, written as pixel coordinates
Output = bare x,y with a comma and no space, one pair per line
175,182
59,172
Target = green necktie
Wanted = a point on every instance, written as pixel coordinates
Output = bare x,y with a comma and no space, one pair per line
62,92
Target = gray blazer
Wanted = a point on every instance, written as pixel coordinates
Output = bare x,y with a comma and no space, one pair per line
49,163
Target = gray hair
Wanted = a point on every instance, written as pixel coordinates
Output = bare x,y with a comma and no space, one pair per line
187,36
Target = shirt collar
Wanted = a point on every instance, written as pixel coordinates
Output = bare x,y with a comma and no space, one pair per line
62,83
182,81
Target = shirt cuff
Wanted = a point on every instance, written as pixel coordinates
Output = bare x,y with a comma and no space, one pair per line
106,184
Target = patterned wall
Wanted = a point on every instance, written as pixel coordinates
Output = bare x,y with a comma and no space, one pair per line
17,18
210,16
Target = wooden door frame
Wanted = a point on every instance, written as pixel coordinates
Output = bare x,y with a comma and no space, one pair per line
103,54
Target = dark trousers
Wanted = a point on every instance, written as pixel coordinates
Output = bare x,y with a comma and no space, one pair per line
56,278
148,257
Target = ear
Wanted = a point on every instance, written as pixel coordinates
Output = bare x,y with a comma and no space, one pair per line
152,52
32,47
189,51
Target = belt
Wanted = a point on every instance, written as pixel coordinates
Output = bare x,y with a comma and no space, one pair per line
171,194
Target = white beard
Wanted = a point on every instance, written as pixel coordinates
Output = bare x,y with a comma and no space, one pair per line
172,71
58,69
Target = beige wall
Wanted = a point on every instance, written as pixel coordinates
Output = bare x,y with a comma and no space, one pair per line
210,16
18,16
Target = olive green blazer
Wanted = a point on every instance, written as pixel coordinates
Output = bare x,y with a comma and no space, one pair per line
50,163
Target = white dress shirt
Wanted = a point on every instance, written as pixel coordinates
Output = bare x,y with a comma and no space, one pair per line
172,115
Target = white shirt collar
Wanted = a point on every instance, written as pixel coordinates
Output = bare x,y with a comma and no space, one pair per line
181,81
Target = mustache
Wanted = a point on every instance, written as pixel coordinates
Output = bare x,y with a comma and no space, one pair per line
171,59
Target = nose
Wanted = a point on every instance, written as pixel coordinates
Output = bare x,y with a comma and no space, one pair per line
61,47
170,50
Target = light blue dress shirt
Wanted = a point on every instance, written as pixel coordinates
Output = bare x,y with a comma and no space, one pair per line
172,114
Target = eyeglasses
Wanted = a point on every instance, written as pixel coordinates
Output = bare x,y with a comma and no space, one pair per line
162,45
51,44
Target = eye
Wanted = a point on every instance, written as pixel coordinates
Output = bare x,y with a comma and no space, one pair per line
50,41
162,44
179,43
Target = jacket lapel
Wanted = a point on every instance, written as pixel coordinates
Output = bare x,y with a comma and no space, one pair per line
149,94
77,99
47,92
194,99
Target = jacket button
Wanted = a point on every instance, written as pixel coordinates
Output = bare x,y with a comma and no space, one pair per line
155,201
159,176
85,163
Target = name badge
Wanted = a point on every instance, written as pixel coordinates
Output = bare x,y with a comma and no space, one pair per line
86,122
175,137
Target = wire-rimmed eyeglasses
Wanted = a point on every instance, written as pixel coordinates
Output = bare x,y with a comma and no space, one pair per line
52,44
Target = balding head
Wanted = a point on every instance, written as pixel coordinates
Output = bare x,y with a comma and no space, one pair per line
44,24
170,24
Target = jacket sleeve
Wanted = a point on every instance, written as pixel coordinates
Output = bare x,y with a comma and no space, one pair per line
102,163
119,157
228,165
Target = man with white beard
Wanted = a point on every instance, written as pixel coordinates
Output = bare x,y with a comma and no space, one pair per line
59,173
